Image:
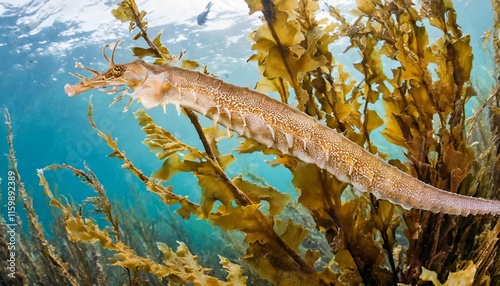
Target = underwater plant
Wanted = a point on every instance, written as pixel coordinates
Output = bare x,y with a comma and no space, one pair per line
354,238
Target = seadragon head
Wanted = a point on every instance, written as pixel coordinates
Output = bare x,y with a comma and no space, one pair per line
130,75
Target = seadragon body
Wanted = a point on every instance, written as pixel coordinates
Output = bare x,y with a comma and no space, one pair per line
276,125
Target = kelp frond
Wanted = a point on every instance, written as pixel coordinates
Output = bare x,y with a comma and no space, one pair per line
165,193
179,266
101,203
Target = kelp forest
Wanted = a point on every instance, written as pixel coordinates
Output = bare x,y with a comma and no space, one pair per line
330,234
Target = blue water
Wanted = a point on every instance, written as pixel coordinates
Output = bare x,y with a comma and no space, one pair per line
51,128
40,44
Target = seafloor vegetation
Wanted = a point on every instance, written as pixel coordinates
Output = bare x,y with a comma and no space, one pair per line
332,235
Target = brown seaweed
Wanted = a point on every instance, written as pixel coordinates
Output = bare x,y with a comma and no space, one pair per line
419,106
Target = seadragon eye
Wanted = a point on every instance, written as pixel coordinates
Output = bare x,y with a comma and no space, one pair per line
117,70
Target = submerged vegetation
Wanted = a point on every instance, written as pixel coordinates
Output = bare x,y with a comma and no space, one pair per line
332,235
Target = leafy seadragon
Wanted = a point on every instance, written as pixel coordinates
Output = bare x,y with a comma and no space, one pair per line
279,126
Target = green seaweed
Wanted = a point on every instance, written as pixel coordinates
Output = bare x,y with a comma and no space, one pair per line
332,235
